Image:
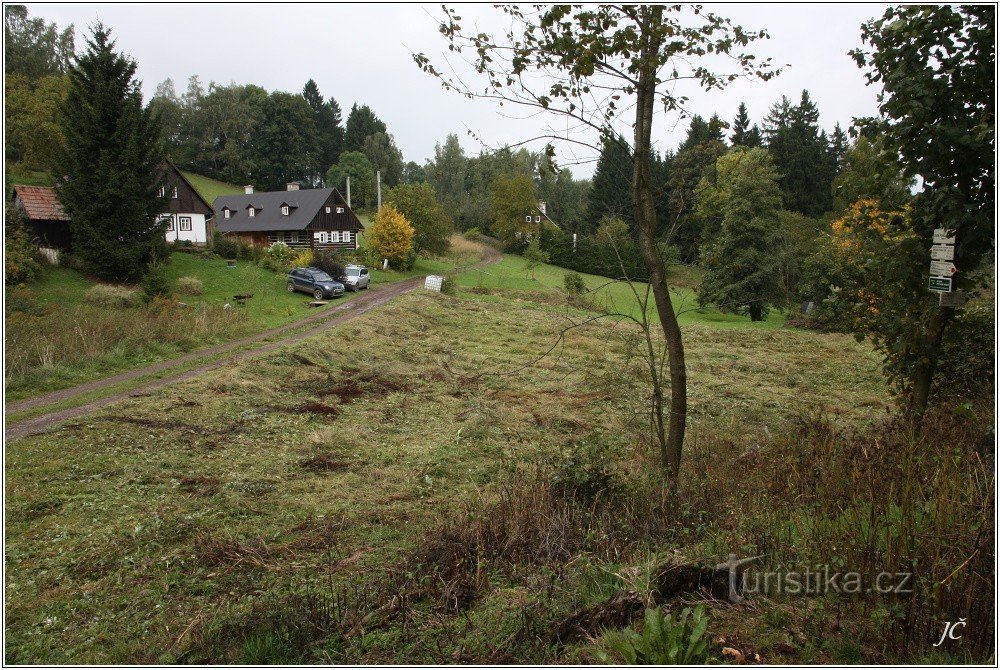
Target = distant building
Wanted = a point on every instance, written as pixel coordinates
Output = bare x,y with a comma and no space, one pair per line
314,218
47,221
188,215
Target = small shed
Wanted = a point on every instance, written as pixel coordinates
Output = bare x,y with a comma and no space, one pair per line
47,221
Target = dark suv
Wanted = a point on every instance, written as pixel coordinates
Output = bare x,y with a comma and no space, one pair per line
315,281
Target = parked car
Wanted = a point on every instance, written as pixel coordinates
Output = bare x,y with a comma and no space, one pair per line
315,281
356,277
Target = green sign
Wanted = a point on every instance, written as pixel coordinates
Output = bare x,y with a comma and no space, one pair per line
940,284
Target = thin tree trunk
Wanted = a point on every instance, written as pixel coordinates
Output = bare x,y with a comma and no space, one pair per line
645,217
923,376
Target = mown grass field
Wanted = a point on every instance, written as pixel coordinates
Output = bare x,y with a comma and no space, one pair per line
514,274
176,526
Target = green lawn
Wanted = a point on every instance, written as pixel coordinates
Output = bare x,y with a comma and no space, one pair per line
56,339
512,274
209,188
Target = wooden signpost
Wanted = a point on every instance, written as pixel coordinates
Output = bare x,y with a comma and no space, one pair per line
942,268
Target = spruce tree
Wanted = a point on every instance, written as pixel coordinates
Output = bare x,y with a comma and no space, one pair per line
742,268
800,153
111,162
743,134
611,188
361,123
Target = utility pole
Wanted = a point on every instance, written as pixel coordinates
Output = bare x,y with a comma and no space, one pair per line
378,186
348,190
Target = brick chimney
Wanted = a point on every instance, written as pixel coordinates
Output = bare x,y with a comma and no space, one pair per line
248,189
292,186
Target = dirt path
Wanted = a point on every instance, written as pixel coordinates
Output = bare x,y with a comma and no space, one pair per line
326,319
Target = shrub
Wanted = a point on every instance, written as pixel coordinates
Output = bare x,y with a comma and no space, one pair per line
277,258
190,286
248,252
303,258
156,283
663,641
448,285
967,356
584,471
573,282
108,295
329,262
473,234
225,246
21,258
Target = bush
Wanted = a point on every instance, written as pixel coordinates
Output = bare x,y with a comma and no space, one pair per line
21,258
155,283
448,285
108,295
248,252
329,262
190,286
473,234
303,258
662,641
277,258
573,281
584,471
967,357
225,246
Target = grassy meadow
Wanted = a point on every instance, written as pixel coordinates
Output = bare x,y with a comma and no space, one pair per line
56,339
200,523
514,276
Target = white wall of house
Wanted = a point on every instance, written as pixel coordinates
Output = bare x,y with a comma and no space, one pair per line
186,227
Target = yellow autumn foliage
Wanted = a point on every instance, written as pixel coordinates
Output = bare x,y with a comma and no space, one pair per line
391,235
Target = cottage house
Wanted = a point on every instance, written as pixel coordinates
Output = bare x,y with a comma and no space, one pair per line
188,215
537,216
47,222
314,218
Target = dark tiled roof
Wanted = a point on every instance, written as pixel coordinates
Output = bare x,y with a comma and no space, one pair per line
304,203
40,203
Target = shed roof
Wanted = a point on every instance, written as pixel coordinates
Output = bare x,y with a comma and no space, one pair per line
40,203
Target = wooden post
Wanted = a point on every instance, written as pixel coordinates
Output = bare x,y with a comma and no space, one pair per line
348,190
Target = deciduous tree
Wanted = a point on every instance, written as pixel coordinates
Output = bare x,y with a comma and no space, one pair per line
391,236
431,223
937,69
742,266
578,63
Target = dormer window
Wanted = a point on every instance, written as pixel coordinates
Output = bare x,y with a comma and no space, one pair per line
284,210
251,211
225,213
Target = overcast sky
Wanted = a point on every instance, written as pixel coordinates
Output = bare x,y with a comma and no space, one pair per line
362,53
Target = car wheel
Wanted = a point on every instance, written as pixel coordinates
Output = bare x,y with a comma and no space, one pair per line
291,287
318,294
